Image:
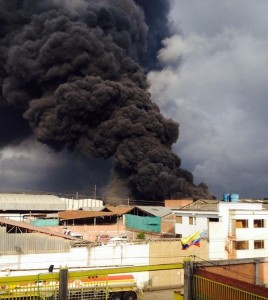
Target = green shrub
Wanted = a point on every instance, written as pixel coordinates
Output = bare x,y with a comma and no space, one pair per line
141,236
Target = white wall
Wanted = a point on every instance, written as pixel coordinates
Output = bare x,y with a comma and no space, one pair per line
250,234
217,241
201,223
15,217
77,258
74,204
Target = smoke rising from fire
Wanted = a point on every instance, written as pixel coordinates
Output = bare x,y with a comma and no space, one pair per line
70,75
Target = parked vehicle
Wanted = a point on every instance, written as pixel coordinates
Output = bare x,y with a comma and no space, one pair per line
110,287
118,239
72,233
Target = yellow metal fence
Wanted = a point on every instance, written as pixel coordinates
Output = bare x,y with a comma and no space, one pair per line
206,289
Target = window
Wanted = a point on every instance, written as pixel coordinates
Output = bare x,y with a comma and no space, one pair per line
213,219
241,223
192,220
259,244
179,219
259,223
241,245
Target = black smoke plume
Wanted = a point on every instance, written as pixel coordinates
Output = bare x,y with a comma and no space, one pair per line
70,75
156,17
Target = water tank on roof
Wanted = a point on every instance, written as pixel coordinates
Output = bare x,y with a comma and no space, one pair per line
234,198
226,197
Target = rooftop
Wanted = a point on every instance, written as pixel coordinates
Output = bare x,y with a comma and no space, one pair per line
81,214
158,211
212,205
28,202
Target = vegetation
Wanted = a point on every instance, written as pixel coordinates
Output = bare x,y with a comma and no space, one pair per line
141,236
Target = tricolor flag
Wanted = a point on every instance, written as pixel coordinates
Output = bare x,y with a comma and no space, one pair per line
191,240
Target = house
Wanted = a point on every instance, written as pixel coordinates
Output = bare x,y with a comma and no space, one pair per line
234,229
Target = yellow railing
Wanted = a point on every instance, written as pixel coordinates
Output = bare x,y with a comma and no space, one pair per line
206,289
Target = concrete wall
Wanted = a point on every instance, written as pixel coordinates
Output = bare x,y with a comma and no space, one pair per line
154,252
79,258
200,223
217,241
106,255
171,252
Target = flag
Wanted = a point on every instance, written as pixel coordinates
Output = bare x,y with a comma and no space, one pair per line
193,239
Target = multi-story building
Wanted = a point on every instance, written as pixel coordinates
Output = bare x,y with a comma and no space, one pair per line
233,229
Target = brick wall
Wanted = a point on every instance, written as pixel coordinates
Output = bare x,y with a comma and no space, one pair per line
168,224
244,272
90,232
177,202
242,285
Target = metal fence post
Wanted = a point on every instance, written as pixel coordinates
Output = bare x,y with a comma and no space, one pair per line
63,284
257,272
188,280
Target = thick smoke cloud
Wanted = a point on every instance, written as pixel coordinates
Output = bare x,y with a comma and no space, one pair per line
72,74
156,16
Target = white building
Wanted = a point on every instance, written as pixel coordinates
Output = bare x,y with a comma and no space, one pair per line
234,229
74,204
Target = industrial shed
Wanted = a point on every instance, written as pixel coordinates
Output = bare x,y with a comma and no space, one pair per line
26,206
22,238
33,203
156,219
80,217
120,210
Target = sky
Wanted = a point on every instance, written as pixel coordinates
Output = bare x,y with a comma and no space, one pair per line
214,83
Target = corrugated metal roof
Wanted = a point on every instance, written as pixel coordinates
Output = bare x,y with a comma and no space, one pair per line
158,211
92,208
32,228
119,210
22,202
80,214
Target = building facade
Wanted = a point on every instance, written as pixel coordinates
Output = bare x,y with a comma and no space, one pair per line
233,229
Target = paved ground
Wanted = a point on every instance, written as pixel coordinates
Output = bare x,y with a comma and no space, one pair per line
157,295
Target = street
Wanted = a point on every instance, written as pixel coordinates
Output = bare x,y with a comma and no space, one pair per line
157,295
